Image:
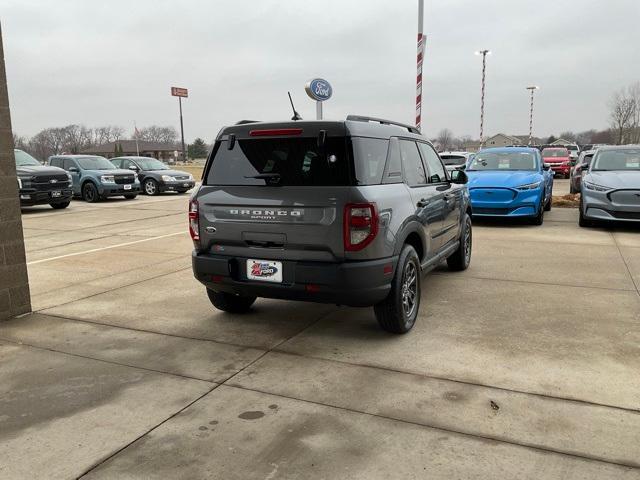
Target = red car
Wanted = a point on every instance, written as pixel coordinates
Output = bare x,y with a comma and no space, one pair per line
558,159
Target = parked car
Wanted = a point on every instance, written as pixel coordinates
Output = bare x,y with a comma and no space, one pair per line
611,186
577,170
156,177
558,159
95,178
510,182
346,212
454,160
574,151
40,185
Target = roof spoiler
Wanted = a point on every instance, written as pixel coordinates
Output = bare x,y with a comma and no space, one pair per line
382,121
244,122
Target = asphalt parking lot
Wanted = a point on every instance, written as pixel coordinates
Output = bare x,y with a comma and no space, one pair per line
524,366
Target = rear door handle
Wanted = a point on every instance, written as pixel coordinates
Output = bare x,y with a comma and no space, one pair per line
423,202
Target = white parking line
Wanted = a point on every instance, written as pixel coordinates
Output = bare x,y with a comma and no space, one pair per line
104,248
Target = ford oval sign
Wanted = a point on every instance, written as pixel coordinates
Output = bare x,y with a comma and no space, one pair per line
319,89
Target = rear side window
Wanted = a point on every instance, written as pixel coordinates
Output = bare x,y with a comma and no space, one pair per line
370,157
281,162
434,165
68,163
412,164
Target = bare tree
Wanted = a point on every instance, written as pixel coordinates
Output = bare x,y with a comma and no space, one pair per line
445,139
583,138
568,135
107,133
622,111
633,91
77,138
155,133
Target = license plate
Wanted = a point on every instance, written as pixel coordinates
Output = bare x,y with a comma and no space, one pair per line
264,270
56,193
185,184
127,187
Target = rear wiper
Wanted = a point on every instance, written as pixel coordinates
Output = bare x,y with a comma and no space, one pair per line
270,177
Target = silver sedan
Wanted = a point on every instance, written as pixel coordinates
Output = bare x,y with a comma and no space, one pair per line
611,186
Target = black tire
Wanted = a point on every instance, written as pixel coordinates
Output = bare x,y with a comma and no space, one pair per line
392,313
461,258
150,187
539,218
131,196
547,206
90,193
59,205
571,189
228,302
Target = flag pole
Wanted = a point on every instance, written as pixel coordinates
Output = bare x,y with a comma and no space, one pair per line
135,132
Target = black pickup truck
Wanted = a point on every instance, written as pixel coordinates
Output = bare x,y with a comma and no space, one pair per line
41,185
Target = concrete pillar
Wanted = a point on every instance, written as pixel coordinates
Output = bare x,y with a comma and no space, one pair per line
14,283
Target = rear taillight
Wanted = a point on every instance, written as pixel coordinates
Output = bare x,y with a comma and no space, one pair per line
360,225
194,222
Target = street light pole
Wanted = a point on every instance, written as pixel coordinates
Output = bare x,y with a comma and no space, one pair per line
420,56
484,54
532,89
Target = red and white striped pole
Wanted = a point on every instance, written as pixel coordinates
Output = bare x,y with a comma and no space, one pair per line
421,48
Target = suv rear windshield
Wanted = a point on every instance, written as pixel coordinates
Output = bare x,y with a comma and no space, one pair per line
453,159
281,162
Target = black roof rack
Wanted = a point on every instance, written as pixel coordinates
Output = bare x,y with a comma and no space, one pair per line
244,122
360,118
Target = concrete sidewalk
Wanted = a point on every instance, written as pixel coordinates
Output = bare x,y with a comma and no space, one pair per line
523,366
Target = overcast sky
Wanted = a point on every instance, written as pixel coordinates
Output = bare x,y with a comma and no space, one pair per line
114,62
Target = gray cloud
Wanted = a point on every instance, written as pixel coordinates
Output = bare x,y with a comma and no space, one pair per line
113,62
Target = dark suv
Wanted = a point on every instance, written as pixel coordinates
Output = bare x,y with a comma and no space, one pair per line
345,212
41,185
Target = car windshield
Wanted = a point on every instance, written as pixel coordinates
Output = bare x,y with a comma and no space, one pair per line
23,159
95,163
555,152
151,164
504,161
617,160
453,159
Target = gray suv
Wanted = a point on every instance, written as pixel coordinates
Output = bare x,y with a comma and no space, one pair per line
346,212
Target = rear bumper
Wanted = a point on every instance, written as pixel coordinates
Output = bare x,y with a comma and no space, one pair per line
357,284
33,197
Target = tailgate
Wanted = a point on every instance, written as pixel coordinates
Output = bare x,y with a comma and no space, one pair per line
285,223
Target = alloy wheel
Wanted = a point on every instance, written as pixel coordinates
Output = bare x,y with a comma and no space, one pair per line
409,289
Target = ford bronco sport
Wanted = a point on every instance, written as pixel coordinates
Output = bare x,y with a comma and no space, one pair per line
345,212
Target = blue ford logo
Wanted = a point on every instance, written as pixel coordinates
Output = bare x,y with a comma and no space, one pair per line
319,89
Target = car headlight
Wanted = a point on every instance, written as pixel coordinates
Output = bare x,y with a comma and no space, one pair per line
529,186
107,179
135,177
595,187
70,178
190,177
168,178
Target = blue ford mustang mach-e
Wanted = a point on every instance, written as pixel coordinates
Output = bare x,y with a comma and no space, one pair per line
510,182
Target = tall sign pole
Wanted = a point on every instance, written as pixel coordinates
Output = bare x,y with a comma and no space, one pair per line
180,93
421,49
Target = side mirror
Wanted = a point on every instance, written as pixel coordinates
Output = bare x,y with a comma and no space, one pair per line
73,169
459,177
134,168
546,166
584,167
